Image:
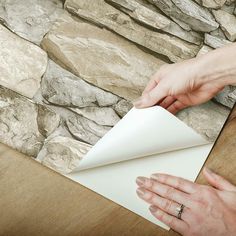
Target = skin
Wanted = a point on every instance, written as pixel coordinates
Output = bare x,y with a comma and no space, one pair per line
209,210
191,82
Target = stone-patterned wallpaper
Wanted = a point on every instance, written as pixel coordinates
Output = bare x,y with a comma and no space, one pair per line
70,70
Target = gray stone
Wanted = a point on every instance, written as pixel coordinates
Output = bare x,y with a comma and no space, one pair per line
47,120
227,23
101,57
205,49
229,8
122,107
62,154
229,2
86,130
227,97
189,12
218,33
104,15
149,17
201,118
22,63
215,4
31,19
100,115
62,88
215,42
21,122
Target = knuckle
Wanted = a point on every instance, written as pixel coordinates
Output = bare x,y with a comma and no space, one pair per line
166,205
169,192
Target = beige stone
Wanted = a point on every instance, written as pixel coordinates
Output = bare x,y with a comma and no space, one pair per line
86,130
172,47
215,42
30,19
201,118
152,18
227,97
22,63
227,23
204,49
101,57
122,107
100,115
22,122
215,4
62,154
63,88
189,12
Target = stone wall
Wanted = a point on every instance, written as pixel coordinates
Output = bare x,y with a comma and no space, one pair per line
70,70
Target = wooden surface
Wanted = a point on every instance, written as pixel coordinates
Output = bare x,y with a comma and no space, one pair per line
37,201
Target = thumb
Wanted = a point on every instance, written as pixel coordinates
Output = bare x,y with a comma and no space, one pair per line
150,98
218,181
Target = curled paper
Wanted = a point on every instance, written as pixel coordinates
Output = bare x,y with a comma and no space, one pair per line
144,142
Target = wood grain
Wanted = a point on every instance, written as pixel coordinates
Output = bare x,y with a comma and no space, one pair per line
36,201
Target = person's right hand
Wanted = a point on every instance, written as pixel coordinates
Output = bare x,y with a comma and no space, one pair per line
177,86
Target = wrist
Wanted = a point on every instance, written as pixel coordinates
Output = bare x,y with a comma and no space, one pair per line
218,66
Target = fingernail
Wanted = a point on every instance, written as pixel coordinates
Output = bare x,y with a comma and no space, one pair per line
138,102
153,208
140,181
140,192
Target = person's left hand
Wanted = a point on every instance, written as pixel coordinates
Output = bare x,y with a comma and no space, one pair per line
208,210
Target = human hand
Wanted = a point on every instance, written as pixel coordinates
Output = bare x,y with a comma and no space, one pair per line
208,210
191,82
177,86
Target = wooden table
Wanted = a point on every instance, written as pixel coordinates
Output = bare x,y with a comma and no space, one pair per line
37,201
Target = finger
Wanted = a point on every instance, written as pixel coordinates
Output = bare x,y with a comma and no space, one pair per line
175,107
164,191
151,98
176,224
167,102
218,181
166,205
176,182
151,85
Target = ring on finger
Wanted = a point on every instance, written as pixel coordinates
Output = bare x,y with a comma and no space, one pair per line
179,211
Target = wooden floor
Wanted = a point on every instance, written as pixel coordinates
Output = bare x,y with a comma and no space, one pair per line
37,201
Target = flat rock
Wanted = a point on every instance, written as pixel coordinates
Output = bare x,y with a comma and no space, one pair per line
229,8
31,19
104,15
60,87
101,57
200,119
22,63
100,115
215,4
122,107
227,97
218,33
227,23
151,18
189,12
86,130
21,122
204,49
62,154
215,42
47,120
